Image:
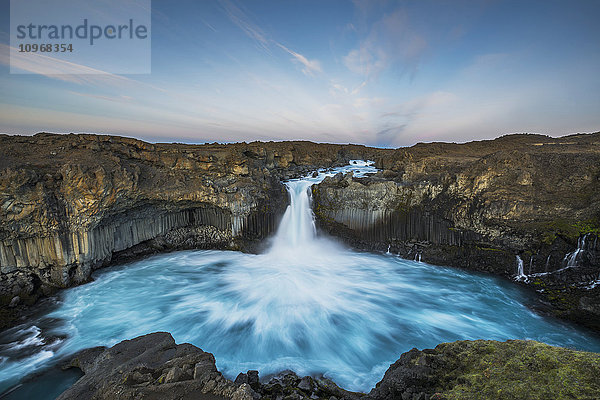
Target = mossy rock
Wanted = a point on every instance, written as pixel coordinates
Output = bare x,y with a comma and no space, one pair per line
487,369
569,230
522,370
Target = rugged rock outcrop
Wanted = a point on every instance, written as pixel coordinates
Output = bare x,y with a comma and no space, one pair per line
491,206
72,203
487,369
153,367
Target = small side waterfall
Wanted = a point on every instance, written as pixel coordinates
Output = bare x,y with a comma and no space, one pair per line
530,265
574,257
520,270
571,260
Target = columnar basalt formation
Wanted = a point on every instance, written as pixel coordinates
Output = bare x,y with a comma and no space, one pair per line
480,205
72,203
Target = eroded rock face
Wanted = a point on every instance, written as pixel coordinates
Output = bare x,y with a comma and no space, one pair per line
154,367
151,367
480,205
72,203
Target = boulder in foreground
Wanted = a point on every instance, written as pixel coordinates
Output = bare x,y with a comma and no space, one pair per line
487,369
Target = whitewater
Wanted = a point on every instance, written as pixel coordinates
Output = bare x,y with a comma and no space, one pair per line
308,304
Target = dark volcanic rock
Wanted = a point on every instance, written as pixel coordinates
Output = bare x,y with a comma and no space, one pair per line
151,367
487,369
154,367
478,206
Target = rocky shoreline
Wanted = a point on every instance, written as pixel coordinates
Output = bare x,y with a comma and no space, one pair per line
154,367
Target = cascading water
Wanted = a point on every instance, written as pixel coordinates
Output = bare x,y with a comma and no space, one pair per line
297,229
573,258
520,269
308,304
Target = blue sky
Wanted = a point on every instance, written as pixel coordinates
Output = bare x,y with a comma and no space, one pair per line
383,73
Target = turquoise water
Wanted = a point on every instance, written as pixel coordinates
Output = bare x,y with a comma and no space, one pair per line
349,315
307,304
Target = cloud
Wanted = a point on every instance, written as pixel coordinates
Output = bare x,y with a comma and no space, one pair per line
391,41
310,66
387,135
57,69
253,31
66,71
405,117
116,99
239,18
414,106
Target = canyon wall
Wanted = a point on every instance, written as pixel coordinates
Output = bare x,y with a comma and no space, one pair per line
527,200
72,203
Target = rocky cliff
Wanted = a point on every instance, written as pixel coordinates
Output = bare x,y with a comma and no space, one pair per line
520,205
153,367
72,203
525,206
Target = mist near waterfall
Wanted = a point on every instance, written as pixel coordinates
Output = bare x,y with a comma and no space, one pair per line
307,304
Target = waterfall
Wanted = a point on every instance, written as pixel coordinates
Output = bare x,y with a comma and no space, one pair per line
297,227
296,237
520,271
571,259
530,264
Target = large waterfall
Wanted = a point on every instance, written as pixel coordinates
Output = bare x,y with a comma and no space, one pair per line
297,228
296,238
307,304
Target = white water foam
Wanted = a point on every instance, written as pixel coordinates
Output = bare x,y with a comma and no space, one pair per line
308,304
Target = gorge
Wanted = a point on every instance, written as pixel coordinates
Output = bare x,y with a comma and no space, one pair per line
88,201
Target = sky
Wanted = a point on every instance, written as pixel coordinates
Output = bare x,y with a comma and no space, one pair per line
379,73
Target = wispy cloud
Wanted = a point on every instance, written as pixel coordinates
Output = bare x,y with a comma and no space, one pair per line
310,66
391,40
57,69
116,99
66,71
253,31
240,18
